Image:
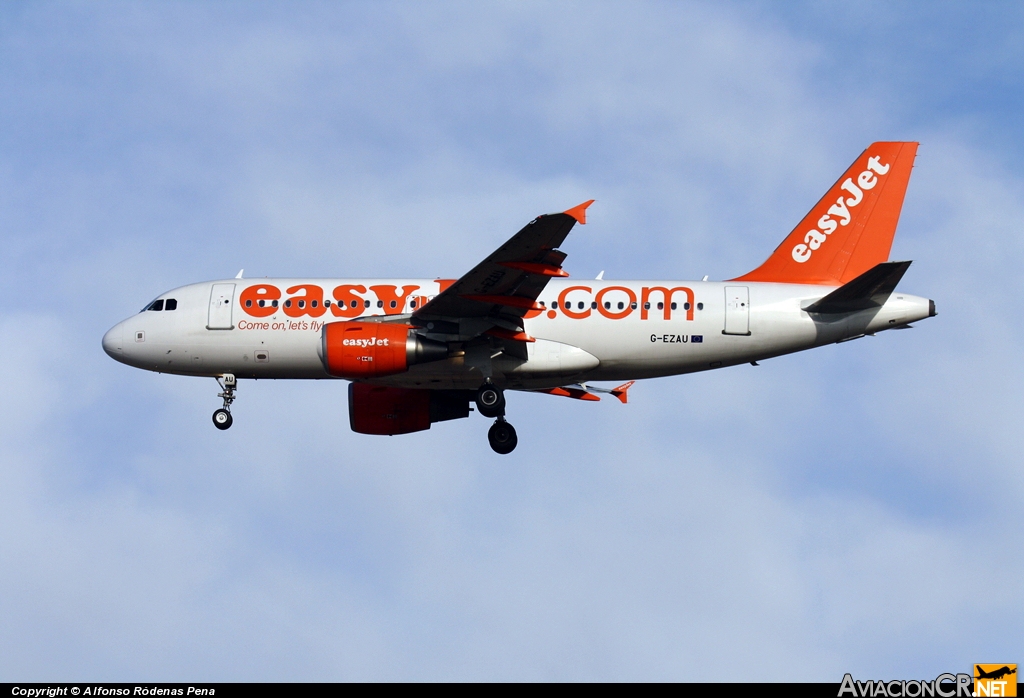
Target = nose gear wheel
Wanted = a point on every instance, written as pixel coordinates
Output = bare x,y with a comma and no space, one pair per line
222,417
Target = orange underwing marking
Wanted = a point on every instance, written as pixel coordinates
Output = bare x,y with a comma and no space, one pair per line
502,333
532,268
579,212
620,392
512,301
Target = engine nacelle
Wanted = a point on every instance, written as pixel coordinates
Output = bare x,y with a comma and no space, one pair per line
372,349
376,409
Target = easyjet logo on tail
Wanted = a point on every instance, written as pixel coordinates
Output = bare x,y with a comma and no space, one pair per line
866,181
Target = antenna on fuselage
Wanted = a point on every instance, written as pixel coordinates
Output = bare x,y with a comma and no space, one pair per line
600,277
239,276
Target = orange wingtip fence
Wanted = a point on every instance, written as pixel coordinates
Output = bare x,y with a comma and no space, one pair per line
579,212
620,392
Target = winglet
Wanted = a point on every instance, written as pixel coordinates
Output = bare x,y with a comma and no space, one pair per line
620,392
579,212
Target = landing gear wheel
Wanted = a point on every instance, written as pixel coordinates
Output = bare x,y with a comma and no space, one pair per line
490,401
502,437
222,419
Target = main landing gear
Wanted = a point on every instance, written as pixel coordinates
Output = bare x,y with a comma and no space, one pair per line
502,436
222,417
490,402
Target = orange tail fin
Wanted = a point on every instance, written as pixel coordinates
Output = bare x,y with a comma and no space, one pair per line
851,229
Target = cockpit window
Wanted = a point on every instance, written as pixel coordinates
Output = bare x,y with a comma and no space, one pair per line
156,305
171,304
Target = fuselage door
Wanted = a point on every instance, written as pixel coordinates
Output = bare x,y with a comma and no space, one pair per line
737,310
221,305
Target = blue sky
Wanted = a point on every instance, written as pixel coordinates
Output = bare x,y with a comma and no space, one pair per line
846,509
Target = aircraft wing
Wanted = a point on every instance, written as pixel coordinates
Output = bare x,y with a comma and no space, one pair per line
505,286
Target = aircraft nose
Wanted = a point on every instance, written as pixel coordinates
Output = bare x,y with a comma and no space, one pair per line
112,341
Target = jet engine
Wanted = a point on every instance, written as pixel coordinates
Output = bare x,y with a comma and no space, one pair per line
376,409
358,350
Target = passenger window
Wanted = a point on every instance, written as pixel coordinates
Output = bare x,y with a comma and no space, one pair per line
171,304
380,304
700,306
413,305
313,304
555,305
621,305
661,306
327,303
302,304
607,305
580,305
673,306
593,305
686,306
633,305
647,306
157,305
366,304
248,302
354,304
261,303
288,303
394,304
273,303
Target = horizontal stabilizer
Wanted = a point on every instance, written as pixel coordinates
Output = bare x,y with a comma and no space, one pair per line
570,391
869,290
582,391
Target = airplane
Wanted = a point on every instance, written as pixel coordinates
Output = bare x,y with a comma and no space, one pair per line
995,674
421,351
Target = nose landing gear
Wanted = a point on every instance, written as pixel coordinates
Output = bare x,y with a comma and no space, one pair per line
490,402
222,417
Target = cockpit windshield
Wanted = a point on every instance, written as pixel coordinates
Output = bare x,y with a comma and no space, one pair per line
161,304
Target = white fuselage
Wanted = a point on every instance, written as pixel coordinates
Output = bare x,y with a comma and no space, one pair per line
589,330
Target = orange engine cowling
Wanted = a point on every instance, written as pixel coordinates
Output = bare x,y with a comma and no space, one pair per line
377,409
373,349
